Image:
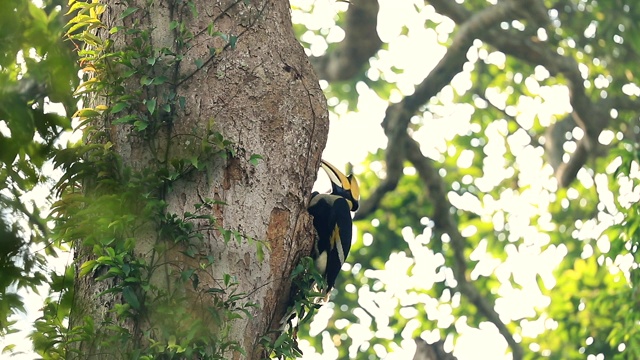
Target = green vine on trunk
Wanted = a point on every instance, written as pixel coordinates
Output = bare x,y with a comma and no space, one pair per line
107,209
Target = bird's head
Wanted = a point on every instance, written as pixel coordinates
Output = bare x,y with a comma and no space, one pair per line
342,185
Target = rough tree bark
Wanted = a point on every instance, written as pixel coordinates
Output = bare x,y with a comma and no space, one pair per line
262,95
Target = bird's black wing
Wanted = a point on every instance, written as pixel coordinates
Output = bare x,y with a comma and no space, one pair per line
332,220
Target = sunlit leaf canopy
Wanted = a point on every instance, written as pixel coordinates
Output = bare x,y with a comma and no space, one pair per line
496,143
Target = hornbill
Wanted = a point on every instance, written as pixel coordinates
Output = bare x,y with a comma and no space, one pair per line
332,220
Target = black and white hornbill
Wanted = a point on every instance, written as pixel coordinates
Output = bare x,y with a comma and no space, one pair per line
332,220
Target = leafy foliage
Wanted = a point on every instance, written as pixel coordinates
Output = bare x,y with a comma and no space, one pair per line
557,262
37,68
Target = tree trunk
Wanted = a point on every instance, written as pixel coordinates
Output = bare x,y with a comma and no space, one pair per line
252,84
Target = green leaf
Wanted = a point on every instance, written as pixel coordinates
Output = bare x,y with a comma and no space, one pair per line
86,113
151,105
186,274
221,35
130,297
38,14
226,234
192,7
140,125
194,161
159,80
238,236
118,107
129,73
8,348
146,80
254,159
87,267
260,251
281,339
128,12
128,119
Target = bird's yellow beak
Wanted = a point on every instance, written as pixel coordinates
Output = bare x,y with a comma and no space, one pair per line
342,185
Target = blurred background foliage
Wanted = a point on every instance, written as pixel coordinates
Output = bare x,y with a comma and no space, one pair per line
535,140
37,69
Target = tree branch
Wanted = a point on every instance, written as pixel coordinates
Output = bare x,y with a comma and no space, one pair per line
445,223
394,157
565,173
397,116
360,44
435,351
588,115
401,146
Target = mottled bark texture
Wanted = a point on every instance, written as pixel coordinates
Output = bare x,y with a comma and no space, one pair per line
262,95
